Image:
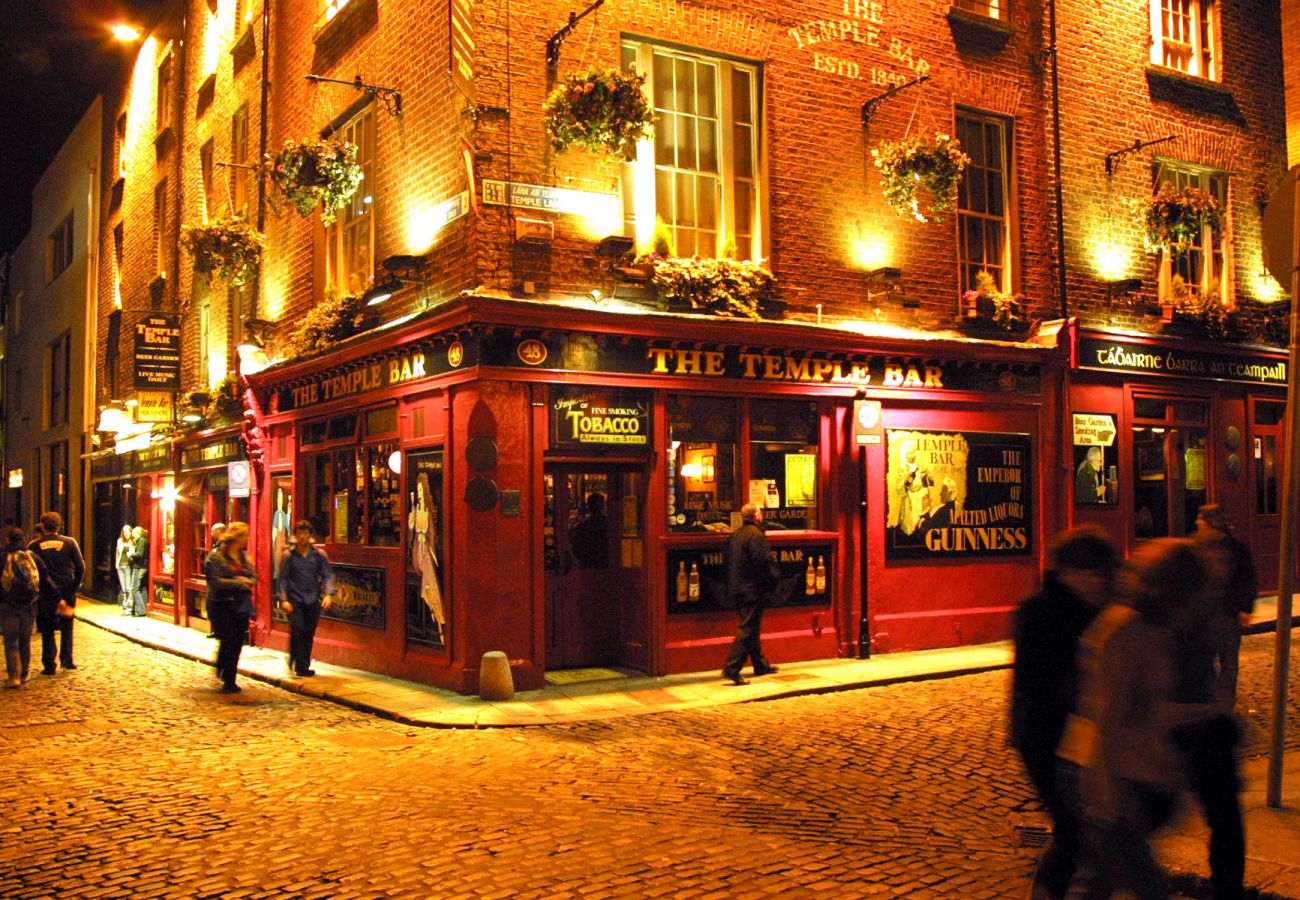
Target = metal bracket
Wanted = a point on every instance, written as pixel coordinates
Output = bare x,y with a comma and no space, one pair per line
556,41
391,98
869,107
1115,157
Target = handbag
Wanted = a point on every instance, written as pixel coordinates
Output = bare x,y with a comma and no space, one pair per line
64,610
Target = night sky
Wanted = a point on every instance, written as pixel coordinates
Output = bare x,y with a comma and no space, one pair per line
54,56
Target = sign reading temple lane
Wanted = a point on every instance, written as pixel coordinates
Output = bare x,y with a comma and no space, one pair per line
158,353
1179,362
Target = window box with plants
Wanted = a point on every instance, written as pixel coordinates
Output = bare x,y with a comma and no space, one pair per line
918,168
987,310
313,173
329,322
1175,219
231,248
605,111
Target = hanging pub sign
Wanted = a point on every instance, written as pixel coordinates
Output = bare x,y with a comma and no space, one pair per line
957,494
600,417
158,353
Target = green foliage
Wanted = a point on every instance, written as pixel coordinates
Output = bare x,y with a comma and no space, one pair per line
324,172
230,247
332,320
662,242
604,110
723,287
935,164
1006,307
1175,218
227,400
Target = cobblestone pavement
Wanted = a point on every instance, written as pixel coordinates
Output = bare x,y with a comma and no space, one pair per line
133,777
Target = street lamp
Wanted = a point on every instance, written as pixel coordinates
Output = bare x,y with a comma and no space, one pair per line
124,33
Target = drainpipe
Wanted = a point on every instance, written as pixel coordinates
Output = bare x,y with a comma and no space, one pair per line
1056,161
264,131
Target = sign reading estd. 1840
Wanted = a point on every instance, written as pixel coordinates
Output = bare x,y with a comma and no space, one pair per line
158,353
587,417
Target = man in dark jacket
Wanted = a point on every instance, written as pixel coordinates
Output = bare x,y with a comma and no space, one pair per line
305,588
65,566
752,576
18,607
1231,590
1082,564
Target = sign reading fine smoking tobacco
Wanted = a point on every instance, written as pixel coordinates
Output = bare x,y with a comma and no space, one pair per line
158,353
593,417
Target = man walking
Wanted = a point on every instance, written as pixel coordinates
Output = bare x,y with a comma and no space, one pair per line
1231,589
752,576
218,529
65,565
305,589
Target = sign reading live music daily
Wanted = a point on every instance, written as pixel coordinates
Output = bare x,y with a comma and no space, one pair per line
158,353
957,494
1120,356
600,417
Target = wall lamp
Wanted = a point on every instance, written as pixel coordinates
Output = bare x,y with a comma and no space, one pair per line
253,341
1124,286
402,269
885,276
114,417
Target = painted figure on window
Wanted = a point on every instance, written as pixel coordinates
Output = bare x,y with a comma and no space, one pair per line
280,537
916,491
422,522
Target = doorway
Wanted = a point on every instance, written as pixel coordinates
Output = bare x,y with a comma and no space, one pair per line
594,556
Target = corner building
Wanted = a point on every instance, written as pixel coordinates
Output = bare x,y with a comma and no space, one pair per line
908,448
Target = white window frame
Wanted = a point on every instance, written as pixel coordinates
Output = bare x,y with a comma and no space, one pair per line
1003,268
640,176
239,175
991,9
1183,36
350,241
59,249
1216,253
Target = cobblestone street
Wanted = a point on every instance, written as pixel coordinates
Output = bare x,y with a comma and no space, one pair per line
132,776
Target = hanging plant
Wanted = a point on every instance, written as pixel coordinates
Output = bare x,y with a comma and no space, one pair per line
604,110
324,172
332,320
230,247
987,302
1176,218
933,163
723,287
227,400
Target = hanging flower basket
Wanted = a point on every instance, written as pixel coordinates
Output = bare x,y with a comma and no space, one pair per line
934,164
332,320
723,287
1176,218
321,172
603,110
227,401
231,247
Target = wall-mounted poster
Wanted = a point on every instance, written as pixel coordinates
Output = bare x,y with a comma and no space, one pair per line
1096,459
358,596
697,578
957,494
426,615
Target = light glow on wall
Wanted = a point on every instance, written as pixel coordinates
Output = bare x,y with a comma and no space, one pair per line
426,221
1113,261
137,144
1265,288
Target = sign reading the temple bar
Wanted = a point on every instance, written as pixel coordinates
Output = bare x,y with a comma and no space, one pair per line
217,453
957,494
1179,362
413,364
594,417
158,353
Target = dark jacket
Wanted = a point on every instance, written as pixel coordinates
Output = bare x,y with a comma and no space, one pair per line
64,564
1233,581
139,556
303,579
1045,676
752,571
221,573
40,567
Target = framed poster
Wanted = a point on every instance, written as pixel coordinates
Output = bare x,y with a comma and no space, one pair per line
955,494
1096,460
358,596
426,611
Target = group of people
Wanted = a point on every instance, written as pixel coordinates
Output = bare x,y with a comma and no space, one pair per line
1123,693
38,585
131,558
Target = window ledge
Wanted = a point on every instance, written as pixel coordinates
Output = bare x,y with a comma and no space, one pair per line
207,93
162,141
974,31
1192,91
334,37
244,50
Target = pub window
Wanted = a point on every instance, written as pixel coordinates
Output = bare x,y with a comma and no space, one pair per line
385,495
1183,34
983,200
1170,465
1266,440
702,176
783,461
353,495
702,463
350,241
239,160
1195,275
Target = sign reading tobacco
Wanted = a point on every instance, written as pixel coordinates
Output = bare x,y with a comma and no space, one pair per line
587,417
158,353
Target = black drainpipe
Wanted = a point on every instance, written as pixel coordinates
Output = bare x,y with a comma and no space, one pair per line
1056,159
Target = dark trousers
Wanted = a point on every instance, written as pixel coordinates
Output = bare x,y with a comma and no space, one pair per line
1210,752
50,625
16,623
302,633
230,625
1060,859
748,642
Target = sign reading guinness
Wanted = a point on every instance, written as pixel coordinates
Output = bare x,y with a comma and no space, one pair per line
587,417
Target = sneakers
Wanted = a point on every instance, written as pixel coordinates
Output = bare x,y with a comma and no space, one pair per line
231,689
735,678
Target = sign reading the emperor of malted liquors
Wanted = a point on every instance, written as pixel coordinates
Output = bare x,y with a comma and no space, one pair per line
957,494
1178,362
600,417
158,353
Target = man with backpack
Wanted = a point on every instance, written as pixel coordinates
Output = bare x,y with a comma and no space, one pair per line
54,611
21,577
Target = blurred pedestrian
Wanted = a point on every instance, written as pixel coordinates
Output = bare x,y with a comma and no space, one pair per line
139,570
122,562
589,539
305,588
56,608
214,538
752,576
20,585
1079,581
229,571
1232,587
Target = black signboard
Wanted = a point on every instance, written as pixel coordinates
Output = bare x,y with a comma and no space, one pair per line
956,494
1179,362
697,577
358,596
592,417
158,353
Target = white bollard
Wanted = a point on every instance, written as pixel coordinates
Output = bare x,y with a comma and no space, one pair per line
494,679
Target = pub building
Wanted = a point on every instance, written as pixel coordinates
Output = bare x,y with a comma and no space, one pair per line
450,465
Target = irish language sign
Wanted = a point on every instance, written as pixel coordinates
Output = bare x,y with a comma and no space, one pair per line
1118,356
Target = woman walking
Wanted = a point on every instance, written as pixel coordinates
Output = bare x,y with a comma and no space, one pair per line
122,561
230,600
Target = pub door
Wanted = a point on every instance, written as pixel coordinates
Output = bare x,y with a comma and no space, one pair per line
1265,455
594,551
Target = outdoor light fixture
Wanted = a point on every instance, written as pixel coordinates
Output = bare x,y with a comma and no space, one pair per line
390,97
616,246
114,417
886,276
382,291
191,416
124,33
1124,286
253,341
402,269
555,41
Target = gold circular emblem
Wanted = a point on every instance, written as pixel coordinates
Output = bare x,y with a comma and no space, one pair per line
455,354
532,352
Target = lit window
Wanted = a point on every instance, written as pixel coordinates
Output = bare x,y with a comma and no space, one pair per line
1199,269
990,8
704,177
160,225
239,161
982,200
350,261
58,249
331,8
1183,36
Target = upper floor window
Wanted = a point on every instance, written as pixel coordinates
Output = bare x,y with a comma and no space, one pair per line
350,241
990,8
207,166
164,99
983,217
119,250
1199,269
160,225
119,145
239,161
58,360
58,249
1183,34
704,178
330,9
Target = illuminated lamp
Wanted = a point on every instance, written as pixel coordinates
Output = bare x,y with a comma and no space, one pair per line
691,470
395,462
250,344
124,33
114,417
1124,286
192,416
616,246
382,291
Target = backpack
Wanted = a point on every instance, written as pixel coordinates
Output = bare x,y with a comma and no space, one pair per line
20,579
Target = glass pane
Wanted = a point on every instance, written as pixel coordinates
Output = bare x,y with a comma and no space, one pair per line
1189,410
385,496
664,196
742,106
977,195
744,213
1269,413
974,231
706,90
972,141
666,140
783,460
685,202
706,243
993,244
708,203
1188,488
663,82
708,147
993,145
1266,475
702,463
684,89
1148,408
743,152
744,247
995,195
688,142
1150,502
628,58
685,239
426,615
